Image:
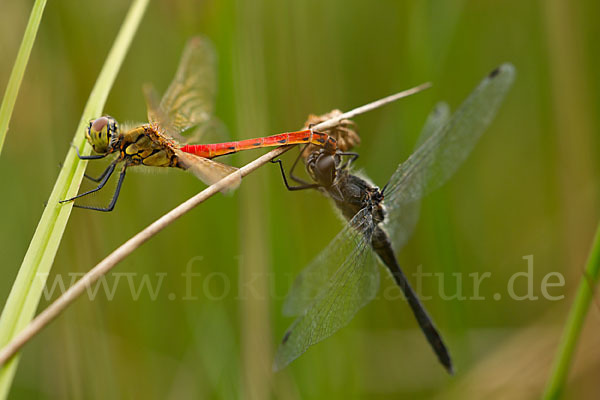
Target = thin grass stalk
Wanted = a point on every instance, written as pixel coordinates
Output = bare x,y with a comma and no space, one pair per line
574,324
16,75
27,289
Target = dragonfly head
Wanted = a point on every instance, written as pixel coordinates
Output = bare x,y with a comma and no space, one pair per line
322,167
102,134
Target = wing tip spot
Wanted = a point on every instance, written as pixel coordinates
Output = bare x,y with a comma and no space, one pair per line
286,337
494,73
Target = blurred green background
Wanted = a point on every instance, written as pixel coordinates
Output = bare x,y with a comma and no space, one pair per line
529,188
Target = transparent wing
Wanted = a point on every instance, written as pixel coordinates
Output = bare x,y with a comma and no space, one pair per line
208,171
441,154
188,102
315,276
435,120
189,99
353,283
213,131
402,219
156,115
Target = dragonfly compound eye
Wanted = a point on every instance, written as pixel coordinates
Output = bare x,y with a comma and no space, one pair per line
325,170
101,133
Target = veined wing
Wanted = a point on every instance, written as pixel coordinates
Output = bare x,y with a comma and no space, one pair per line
188,102
340,281
402,219
156,115
189,99
314,277
435,120
208,171
439,156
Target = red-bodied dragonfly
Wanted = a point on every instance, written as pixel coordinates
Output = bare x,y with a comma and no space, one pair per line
187,104
186,107
344,277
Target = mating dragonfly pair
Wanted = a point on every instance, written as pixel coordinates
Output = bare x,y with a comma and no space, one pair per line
344,276
183,115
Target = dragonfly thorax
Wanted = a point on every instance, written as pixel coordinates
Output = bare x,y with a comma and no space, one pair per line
103,133
375,196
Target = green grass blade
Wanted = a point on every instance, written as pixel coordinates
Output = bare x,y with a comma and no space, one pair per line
27,289
16,75
574,323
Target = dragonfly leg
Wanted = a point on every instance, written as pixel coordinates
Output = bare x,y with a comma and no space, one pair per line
102,175
292,188
109,172
90,157
337,194
353,157
113,201
294,177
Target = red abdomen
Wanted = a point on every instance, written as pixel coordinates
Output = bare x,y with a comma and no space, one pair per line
221,149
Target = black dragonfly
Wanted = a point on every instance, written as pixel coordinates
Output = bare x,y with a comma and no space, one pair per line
344,276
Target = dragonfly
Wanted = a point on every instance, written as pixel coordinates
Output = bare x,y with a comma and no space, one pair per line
183,114
344,277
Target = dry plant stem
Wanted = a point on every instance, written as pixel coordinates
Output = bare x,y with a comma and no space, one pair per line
330,123
102,268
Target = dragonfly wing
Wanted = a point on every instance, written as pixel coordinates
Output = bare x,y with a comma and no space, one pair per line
352,285
314,277
435,120
156,115
213,131
208,171
401,220
441,154
188,102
